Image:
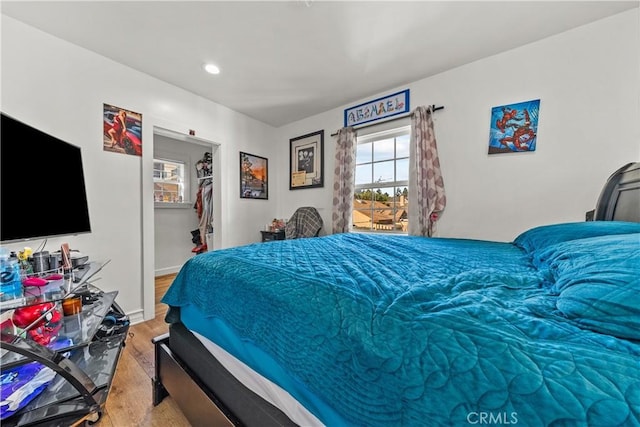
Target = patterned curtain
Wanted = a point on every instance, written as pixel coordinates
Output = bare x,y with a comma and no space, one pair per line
426,187
344,180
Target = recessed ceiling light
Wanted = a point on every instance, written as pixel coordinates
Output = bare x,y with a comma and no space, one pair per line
211,69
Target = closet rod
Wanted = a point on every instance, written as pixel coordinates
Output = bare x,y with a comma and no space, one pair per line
390,120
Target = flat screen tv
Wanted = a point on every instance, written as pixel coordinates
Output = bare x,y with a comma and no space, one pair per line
42,188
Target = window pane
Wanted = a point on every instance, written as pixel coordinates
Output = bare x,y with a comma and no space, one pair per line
157,170
383,172
363,174
402,170
402,146
168,181
383,150
171,172
363,153
380,203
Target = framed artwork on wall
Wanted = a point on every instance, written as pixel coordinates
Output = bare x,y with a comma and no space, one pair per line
254,175
306,161
514,127
121,130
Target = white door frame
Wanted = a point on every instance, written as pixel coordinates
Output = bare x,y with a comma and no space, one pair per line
148,226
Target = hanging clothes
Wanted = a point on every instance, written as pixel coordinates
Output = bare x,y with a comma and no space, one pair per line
203,203
206,215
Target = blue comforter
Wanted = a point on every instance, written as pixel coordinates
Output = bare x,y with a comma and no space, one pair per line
398,330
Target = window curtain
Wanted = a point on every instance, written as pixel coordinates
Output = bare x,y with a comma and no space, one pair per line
344,180
426,186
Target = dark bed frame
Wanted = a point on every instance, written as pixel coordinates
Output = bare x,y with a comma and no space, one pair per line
620,198
210,396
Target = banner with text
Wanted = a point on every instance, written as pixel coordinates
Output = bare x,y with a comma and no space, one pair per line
387,106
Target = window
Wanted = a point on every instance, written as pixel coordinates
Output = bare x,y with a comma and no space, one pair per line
168,181
382,182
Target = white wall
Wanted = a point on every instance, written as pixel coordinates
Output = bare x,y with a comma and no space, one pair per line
60,89
588,80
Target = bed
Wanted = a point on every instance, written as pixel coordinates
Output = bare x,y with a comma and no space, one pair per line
369,330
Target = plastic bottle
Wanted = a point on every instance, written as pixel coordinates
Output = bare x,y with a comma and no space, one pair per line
10,283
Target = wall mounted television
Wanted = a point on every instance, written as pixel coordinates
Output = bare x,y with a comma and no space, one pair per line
42,187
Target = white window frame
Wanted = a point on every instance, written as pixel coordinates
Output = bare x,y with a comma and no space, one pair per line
182,182
373,186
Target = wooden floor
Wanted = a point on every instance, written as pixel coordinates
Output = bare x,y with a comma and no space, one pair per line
130,400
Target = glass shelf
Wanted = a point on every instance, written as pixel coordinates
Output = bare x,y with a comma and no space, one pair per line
84,363
97,360
60,399
79,328
55,290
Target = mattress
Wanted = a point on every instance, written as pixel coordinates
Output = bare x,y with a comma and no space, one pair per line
239,402
261,386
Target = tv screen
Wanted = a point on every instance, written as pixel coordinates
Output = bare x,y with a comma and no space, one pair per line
42,188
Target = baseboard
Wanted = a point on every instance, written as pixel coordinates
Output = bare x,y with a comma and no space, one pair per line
167,270
135,317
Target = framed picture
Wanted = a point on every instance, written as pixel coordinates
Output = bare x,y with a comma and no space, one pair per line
514,127
121,130
254,175
306,161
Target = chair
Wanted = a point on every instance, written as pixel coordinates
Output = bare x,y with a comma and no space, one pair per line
305,222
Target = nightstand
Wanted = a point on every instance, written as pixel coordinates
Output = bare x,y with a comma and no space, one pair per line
268,236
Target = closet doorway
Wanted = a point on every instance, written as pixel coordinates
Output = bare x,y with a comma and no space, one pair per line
185,170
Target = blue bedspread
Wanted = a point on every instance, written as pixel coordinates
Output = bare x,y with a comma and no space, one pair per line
398,330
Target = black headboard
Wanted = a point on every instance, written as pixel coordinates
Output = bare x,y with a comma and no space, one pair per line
620,197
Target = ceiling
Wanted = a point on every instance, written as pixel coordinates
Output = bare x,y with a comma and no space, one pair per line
282,61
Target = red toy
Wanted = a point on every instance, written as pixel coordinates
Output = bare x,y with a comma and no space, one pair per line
46,329
34,281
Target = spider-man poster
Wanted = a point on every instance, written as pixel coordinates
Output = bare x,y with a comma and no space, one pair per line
514,127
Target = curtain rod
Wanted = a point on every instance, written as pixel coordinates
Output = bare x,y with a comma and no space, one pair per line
434,108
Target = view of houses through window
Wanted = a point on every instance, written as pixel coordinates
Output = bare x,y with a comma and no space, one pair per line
382,182
168,181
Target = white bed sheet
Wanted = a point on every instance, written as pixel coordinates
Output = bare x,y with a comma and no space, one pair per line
260,385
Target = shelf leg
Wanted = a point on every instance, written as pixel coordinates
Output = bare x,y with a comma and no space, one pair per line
95,417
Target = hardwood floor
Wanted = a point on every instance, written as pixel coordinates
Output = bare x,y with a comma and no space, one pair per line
130,400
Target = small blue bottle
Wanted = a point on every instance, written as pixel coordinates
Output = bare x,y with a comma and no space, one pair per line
10,283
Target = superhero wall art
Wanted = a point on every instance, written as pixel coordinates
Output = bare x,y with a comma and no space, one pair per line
514,127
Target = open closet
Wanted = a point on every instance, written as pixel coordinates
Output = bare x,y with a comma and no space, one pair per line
185,227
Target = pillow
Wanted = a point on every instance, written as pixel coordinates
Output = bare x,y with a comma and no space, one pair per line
602,309
546,235
598,282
